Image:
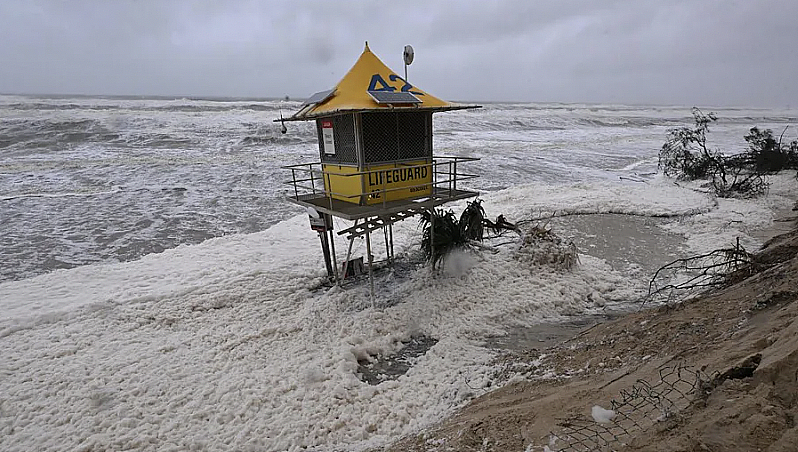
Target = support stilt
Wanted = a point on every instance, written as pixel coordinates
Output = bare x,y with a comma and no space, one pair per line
390,231
348,253
334,258
387,245
325,248
432,238
371,274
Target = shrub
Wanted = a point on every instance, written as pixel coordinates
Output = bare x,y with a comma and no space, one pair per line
768,155
685,154
449,232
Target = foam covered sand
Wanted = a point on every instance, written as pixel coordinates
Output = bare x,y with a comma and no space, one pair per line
234,345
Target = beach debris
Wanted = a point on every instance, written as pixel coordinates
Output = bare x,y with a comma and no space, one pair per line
713,269
451,233
638,408
542,247
539,246
500,225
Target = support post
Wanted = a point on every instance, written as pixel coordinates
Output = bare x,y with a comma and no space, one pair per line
348,254
325,248
334,259
371,274
387,245
390,230
432,237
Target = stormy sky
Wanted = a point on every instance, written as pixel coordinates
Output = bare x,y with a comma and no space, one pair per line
669,52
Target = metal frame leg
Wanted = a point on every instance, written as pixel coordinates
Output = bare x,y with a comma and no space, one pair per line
334,258
387,245
348,255
432,238
390,230
371,274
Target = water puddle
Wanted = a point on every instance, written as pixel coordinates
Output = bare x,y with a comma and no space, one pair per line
622,240
545,335
384,368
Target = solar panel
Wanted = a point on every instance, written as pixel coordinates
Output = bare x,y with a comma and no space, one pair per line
319,97
394,97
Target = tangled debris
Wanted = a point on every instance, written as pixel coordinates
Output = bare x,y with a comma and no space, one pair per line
542,247
451,233
539,246
717,268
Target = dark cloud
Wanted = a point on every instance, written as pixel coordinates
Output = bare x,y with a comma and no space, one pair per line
646,51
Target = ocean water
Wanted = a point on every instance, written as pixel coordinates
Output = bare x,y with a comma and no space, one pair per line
88,180
157,292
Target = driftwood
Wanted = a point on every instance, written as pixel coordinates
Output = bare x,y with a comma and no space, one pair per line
714,269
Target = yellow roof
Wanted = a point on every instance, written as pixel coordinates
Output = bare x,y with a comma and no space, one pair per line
352,92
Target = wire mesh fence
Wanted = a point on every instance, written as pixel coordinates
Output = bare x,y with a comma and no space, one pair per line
637,409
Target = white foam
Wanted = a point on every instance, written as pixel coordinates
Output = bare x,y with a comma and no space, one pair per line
226,345
602,415
233,344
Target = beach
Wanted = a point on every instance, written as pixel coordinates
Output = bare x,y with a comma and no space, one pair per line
157,292
714,372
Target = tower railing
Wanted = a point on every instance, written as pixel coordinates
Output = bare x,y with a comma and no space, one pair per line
312,182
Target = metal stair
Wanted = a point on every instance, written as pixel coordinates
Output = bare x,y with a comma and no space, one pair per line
374,223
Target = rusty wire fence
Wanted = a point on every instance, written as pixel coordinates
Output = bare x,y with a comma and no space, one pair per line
636,410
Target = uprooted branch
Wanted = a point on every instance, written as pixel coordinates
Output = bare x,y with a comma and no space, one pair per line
714,269
451,233
686,156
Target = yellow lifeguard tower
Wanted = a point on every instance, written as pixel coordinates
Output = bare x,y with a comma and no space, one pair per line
376,163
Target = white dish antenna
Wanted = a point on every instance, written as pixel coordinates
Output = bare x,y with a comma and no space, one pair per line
408,55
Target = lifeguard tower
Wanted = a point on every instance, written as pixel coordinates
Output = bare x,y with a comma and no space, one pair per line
376,164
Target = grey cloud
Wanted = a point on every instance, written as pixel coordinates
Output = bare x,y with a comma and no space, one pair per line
667,51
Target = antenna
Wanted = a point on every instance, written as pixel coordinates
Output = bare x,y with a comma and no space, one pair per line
408,57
